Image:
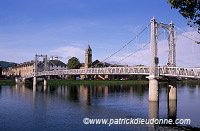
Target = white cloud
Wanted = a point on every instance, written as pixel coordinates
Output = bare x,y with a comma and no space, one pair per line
69,51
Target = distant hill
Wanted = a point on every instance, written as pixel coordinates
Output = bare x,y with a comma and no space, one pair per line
5,64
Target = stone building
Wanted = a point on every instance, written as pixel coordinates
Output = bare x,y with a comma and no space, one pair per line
21,69
25,68
55,64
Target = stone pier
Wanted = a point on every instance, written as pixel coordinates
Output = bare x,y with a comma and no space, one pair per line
34,81
172,90
45,81
153,90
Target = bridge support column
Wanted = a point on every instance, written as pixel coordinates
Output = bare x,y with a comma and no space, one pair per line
45,81
172,90
34,81
153,90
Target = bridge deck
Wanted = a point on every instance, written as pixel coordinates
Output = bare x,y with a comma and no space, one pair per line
182,72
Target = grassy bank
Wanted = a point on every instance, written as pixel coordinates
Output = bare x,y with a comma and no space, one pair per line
7,82
93,82
190,82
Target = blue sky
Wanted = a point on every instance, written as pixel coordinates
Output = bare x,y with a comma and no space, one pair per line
64,28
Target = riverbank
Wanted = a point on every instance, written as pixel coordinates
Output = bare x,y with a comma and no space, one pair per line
82,82
7,82
95,82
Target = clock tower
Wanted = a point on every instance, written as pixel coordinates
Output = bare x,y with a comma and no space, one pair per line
88,57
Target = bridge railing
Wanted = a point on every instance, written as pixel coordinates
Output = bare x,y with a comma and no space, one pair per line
180,72
95,71
140,70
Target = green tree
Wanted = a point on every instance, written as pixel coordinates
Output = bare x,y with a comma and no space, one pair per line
73,63
190,9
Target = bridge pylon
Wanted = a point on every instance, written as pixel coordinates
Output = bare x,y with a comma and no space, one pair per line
40,66
172,45
172,60
153,71
154,60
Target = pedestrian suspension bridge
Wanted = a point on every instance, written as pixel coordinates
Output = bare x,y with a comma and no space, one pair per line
153,71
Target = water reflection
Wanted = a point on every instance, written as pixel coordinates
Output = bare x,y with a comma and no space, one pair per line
153,110
49,104
0,90
172,109
85,94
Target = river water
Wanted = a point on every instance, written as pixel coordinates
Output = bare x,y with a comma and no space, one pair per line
65,107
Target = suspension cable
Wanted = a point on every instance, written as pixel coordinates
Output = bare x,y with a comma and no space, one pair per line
198,42
187,32
188,38
147,43
133,52
138,49
126,44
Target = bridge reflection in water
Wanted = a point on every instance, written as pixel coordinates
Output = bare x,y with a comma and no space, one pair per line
122,101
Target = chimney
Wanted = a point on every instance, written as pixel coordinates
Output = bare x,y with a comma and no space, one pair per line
56,57
51,57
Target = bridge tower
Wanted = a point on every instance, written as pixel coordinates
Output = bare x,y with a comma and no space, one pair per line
40,66
172,61
153,72
172,45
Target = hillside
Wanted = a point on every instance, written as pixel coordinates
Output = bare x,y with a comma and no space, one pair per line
5,64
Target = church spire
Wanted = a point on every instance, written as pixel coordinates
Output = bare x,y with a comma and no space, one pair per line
89,48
